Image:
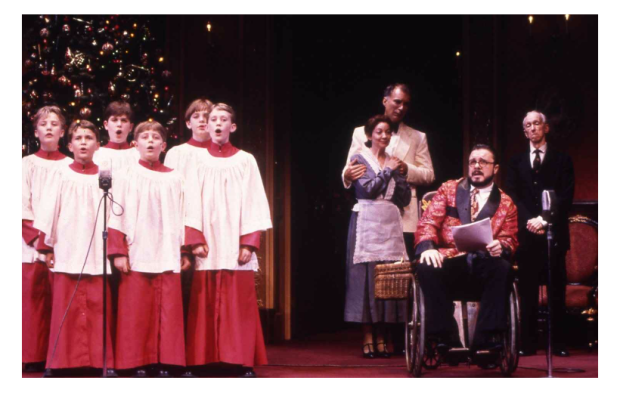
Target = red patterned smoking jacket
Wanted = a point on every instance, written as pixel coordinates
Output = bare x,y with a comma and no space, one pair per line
451,207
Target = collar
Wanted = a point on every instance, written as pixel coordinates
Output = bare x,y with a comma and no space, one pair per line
89,169
155,166
225,150
118,146
196,143
482,190
50,155
543,148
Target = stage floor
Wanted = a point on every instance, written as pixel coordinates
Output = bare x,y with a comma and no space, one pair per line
338,355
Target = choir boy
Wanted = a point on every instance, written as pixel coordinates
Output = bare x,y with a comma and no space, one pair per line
118,122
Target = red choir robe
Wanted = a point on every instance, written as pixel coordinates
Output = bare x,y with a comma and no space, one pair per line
36,278
66,222
150,326
223,322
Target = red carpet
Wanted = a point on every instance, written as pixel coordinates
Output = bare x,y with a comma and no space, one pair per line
338,355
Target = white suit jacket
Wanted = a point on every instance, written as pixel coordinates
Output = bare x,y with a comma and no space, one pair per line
412,148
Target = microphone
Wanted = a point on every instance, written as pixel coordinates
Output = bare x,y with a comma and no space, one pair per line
548,204
105,175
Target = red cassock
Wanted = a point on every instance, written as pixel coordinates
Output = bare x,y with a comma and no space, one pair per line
36,311
150,320
80,343
450,207
223,323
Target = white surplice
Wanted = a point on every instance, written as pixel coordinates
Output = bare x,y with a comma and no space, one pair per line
67,217
35,171
227,201
185,158
153,205
118,159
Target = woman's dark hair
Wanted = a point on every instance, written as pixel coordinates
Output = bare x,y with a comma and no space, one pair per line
372,123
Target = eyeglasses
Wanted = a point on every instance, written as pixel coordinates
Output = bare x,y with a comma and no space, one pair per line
534,123
482,163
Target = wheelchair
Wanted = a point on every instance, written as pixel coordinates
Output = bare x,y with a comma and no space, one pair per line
421,351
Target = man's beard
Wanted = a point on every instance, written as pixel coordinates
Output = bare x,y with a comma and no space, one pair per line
485,182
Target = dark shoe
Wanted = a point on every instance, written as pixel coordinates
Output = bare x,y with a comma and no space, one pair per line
34,367
382,354
188,374
561,352
49,373
370,354
140,373
111,373
163,373
527,352
248,373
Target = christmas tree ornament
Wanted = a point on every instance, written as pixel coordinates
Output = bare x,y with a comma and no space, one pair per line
107,48
85,113
112,88
66,29
44,32
166,74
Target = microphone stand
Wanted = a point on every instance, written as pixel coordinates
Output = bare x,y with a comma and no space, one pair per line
105,184
550,255
549,292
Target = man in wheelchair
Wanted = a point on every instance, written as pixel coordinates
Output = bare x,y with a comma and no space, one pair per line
446,274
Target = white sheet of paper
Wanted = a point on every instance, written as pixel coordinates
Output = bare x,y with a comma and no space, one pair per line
473,237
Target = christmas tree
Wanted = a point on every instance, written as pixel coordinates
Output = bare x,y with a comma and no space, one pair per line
82,63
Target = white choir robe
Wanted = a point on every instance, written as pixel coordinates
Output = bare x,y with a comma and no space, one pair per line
118,158
186,157
152,221
226,201
35,171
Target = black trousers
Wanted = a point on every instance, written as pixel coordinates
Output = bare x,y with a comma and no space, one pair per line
532,259
487,280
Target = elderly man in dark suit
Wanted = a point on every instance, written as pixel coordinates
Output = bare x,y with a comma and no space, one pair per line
540,168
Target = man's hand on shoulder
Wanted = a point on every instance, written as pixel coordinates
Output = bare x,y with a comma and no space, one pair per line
403,168
354,171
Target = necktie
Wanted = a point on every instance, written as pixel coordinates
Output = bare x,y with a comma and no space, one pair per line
474,204
537,160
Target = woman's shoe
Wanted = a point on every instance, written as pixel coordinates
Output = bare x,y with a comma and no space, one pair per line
370,354
384,353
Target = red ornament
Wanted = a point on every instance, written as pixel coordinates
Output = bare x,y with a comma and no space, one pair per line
107,48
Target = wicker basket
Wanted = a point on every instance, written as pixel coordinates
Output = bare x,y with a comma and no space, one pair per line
392,280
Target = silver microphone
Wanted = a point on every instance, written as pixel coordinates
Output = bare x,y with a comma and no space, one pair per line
105,175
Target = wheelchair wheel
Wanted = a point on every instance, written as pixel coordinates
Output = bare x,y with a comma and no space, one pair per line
415,330
431,358
509,357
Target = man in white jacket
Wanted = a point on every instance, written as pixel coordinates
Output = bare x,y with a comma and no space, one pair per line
408,145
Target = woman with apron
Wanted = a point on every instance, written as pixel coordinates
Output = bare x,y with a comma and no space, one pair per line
375,236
